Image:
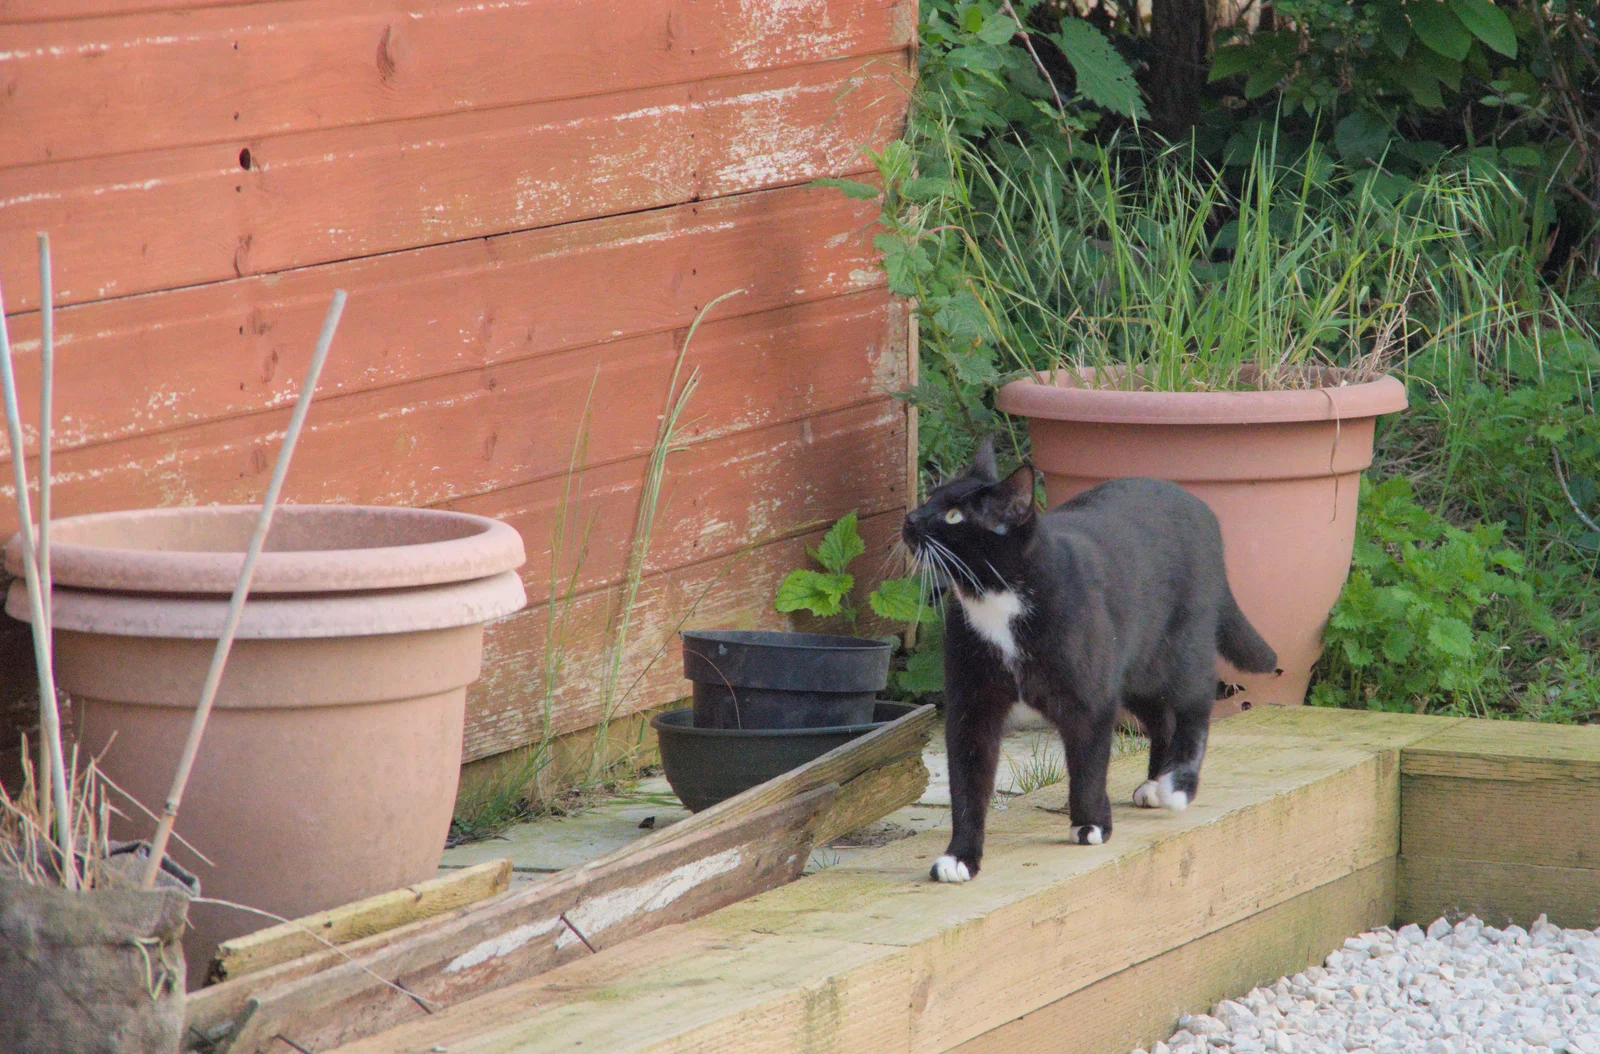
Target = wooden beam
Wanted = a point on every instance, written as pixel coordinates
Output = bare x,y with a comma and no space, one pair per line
870,955
1501,819
855,784
573,915
1142,1003
1498,893
386,911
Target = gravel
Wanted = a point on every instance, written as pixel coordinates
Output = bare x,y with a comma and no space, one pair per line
1459,989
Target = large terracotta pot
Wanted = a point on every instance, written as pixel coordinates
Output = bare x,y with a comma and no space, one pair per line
329,766
1281,469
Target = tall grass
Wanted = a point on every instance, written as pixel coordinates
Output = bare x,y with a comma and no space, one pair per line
1162,272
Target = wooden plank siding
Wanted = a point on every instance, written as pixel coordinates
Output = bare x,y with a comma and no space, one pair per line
528,203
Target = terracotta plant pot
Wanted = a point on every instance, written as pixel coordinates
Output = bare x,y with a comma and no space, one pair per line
1281,469
329,767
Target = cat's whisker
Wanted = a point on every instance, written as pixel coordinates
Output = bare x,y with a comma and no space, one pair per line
958,563
998,575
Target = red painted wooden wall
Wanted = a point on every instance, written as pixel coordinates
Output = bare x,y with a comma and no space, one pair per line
527,200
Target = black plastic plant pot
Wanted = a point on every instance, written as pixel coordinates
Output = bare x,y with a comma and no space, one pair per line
707,765
762,679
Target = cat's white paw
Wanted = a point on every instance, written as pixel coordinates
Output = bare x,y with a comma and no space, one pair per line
1176,800
949,869
1088,834
1145,795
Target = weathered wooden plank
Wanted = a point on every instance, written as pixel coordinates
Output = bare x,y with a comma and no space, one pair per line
871,956
1553,823
471,433
872,771
1369,729
101,86
506,708
265,948
1498,893
164,219
1508,750
720,497
531,931
873,795
139,365
1142,1003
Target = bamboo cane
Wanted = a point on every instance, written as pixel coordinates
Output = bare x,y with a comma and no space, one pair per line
219,657
47,375
49,715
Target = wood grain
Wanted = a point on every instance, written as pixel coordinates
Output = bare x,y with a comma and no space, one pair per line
567,917
121,84
290,940
1498,893
474,432
159,220
506,708
1508,750
1141,1005
1553,823
142,365
871,956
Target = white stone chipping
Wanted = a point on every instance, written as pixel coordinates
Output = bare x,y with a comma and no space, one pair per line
1461,989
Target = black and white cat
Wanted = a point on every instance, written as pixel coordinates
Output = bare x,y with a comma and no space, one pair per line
1115,598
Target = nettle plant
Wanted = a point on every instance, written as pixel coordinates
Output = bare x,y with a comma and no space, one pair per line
829,594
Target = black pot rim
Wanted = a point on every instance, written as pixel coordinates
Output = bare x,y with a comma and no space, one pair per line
660,721
787,641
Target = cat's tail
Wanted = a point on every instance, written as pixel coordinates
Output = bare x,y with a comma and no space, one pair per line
1239,642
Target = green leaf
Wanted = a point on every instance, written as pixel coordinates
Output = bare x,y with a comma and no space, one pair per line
1104,77
1235,58
900,600
1523,156
1488,23
925,188
1423,86
1394,28
1263,78
840,545
851,188
1398,642
820,594
1446,69
1361,136
972,19
924,673
1451,636
998,30
976,366
1438,27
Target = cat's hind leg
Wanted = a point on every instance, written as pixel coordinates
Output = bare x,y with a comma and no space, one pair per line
1158,723
1179,779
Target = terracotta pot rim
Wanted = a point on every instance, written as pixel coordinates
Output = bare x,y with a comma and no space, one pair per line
160,555
380,612
1059,398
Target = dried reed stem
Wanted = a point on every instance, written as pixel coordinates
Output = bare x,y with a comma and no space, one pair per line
219,657
49,715
47,375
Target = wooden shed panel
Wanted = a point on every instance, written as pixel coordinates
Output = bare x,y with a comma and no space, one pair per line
717,497
101,86
141,222
141,365
505,709
482,430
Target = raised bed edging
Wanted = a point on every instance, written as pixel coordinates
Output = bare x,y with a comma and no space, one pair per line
1312,825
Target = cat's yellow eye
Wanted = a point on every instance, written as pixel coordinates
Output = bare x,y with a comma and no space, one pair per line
953,516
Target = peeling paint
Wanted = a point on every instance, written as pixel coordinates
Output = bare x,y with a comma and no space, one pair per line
597,914
504,944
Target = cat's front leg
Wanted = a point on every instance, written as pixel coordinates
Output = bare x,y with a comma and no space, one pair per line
974,720
1087,733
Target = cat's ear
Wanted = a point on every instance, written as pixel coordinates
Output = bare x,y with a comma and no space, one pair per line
1010,501
984,467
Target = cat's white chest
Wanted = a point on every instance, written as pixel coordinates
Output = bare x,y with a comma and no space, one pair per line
993,617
